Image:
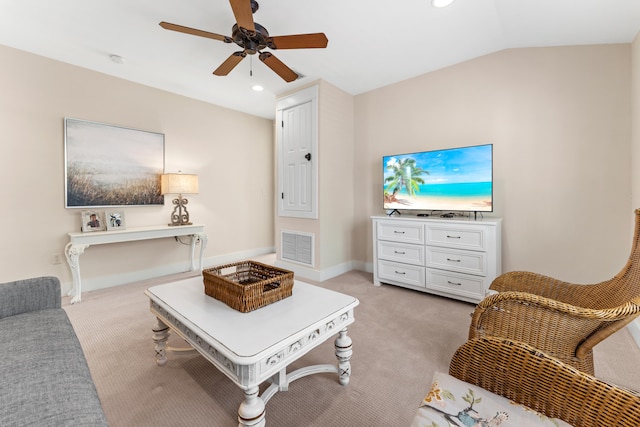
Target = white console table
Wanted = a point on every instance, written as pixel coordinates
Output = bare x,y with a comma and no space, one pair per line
78,242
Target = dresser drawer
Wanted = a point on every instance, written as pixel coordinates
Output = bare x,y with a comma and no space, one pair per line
400,252
456,237
401,232
452,260
402,273
443,281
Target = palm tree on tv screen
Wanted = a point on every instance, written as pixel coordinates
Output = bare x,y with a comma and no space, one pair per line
405,174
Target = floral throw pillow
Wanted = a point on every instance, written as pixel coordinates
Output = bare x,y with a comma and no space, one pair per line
452,402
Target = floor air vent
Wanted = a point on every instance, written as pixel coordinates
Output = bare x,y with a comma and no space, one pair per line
297,247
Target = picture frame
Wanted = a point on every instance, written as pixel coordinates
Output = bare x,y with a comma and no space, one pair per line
115,220
92,220
106,165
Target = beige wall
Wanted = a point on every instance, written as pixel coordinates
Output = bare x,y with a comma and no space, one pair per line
560,122
336,136
231,152
559,118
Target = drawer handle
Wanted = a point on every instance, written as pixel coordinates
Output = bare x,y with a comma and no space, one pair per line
453,237
454,260
400,272
454,283
399,253
398,232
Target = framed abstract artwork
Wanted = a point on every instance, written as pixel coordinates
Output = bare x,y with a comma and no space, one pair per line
109,165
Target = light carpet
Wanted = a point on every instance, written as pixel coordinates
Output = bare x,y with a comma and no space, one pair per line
400,337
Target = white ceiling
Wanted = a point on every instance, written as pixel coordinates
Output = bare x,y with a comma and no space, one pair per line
372,43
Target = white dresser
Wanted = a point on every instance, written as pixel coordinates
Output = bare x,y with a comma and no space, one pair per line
456,258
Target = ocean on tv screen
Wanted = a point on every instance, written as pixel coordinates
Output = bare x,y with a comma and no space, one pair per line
474,196
457,179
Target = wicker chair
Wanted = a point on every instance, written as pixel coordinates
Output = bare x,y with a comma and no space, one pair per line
527,376
562,319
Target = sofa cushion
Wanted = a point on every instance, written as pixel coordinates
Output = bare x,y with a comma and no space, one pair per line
45,377
22,296
454,402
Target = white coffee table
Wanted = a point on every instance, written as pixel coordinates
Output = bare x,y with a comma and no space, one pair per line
251,348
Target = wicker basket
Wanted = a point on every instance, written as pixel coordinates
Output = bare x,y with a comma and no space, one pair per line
247,285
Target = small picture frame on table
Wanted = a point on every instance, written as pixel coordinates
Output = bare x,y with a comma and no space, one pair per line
92,221
115,220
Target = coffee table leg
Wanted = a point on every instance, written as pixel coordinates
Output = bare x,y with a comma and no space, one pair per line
160,337
251,411
343,353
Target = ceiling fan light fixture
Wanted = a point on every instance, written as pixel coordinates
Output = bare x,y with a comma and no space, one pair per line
441,3
253,38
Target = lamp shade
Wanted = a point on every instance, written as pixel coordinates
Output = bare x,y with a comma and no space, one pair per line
179,183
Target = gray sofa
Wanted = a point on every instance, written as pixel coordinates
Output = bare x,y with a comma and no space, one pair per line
45,380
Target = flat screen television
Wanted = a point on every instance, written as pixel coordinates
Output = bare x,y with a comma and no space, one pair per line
455,179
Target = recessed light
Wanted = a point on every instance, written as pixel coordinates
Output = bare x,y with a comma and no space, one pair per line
441,3
117,59
257,88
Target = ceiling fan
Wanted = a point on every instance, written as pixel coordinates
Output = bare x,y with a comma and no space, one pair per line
254,38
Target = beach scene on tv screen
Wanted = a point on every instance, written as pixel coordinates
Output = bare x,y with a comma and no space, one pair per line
457,179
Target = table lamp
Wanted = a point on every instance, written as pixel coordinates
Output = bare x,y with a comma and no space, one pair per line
179,183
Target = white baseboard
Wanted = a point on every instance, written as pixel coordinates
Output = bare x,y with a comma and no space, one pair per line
102,282
303,272
368,267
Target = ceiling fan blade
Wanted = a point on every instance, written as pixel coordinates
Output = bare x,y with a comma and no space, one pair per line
193,31
287,74
243,13
229,64
299,41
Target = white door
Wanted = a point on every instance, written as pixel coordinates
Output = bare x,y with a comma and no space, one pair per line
297,165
